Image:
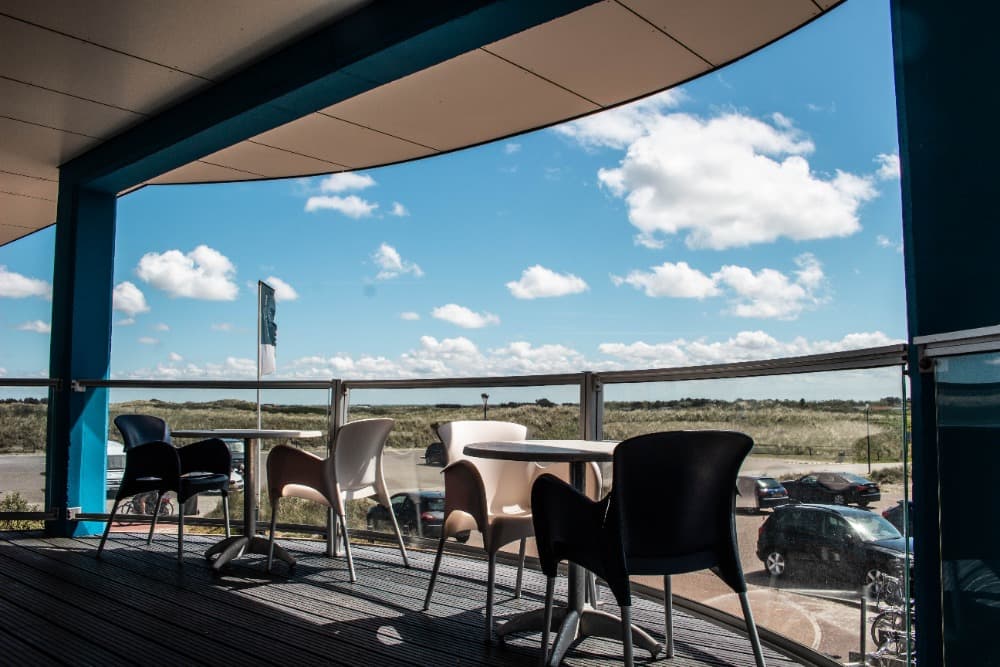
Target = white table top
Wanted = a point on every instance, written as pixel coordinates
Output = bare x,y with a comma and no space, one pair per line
543,450
244,433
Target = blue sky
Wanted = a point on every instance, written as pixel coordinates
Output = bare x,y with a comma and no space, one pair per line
752,213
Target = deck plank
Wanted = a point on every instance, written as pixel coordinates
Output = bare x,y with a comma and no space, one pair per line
64,606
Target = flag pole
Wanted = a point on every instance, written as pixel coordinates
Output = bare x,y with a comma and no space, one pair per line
259,338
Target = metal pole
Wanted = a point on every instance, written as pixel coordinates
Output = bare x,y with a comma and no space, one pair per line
258,355
485,397
868,429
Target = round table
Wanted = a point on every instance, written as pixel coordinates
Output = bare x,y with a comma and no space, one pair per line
249,541
578,618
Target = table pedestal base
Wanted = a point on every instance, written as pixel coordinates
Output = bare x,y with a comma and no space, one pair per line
573,625
236,546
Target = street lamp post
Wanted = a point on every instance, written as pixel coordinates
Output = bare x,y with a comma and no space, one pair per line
868,431
486,397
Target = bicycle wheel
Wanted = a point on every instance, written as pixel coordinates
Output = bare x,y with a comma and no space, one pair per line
166,507
889,631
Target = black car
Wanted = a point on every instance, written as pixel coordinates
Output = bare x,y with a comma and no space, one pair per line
815,542
837,488
418,513
895,516
757,492
435,454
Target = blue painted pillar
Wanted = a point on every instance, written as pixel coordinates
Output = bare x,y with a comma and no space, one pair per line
81,348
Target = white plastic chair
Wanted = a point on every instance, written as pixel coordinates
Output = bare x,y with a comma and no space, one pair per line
353,470
491,496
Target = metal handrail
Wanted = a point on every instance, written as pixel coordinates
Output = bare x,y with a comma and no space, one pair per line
485,381
205,384
28,382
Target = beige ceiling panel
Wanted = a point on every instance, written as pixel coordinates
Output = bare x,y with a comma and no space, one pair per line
340,142
44,107
828,4
27,213
10,233
40,188
49,60
604,52
33,150
205,37
203,172
722,30
269,162
473,98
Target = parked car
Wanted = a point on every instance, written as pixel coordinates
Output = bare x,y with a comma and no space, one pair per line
417,512
894,515
819,541
435,454
757,492
236,454
837,488
115,467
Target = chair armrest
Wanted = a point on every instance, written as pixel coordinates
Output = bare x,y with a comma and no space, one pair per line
152,460
210,455
291,465
568,525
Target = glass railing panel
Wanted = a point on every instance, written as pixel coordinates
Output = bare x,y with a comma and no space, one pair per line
838,427
23,414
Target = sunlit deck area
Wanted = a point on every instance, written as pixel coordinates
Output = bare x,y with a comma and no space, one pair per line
63,606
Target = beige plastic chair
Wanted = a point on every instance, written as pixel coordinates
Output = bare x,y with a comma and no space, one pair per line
491,496
353,470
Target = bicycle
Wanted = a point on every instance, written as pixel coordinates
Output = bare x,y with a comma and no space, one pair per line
889,630
143,501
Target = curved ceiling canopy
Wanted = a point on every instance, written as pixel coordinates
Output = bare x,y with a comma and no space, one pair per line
73,75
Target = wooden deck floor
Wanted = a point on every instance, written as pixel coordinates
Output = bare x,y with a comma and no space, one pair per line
60,605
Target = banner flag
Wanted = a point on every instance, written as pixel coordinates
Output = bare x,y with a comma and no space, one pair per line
268,330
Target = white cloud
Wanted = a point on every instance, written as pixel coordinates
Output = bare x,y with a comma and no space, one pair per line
767,293
538,282
346,181
727,181
463,317
352,206
885,242
129,299
15,286
671,280
409,316
233,367
36,326
511,147
888,166
398,210
149,340
222,326
282,290
125,322
176,357
744,346
619,127
203,273
161,327
391,265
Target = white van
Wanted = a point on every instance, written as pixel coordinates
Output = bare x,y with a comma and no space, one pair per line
116,467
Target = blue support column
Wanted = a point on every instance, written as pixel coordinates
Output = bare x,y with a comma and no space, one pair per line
80,348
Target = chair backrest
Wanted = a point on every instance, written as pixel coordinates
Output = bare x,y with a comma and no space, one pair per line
673,498
139,429
506,483
356,450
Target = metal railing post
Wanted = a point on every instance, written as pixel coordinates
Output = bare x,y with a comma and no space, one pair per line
591,407
339,399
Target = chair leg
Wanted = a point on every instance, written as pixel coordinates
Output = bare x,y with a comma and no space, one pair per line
550,587
156,514
332,548
225,512
180,530
490,579
758,655
593,596
668,617
434,572
399,536
107,528
520,569
627,633
347,548
270,539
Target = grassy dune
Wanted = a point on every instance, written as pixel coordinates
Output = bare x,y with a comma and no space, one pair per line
821,430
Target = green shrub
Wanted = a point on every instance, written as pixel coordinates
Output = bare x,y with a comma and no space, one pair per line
13,502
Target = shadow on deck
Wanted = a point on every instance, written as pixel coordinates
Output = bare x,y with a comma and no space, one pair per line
60,605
